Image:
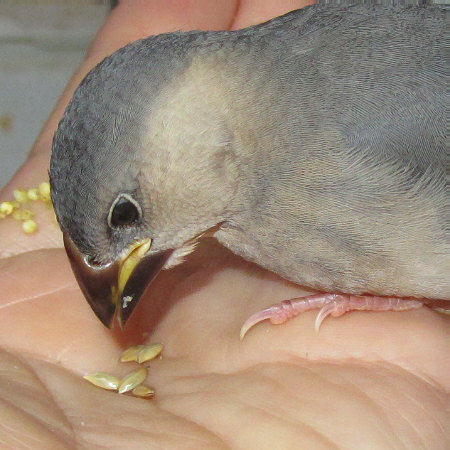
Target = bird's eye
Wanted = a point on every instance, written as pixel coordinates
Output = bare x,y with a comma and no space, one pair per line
124,211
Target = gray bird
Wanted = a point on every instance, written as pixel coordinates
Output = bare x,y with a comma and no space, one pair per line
313,145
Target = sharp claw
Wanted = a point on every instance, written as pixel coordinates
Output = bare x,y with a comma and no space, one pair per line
324,312
254,319
332,304
442,310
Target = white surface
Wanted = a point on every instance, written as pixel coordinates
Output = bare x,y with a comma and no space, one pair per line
40,47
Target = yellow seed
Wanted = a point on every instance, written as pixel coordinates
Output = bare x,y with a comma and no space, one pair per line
44,190
136,252
130,354
103,380
29,226
23,214
143,391
27,214
6,208
20,195
133,379
149,352
33,194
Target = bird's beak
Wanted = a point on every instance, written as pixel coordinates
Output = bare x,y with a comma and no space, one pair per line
116,287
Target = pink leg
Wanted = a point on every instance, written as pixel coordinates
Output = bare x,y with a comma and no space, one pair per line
329,304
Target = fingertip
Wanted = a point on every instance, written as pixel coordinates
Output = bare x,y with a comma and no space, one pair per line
136,19
252,12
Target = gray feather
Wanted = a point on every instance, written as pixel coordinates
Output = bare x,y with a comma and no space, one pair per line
318,139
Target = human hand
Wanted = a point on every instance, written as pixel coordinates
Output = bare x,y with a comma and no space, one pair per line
374,380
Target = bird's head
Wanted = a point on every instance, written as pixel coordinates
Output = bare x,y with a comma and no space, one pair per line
142,166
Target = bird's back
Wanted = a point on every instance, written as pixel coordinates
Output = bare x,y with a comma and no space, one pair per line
343,143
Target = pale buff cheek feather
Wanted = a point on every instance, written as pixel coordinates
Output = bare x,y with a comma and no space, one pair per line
188,118
180,254
186,129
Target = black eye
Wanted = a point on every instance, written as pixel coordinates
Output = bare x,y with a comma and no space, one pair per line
125,211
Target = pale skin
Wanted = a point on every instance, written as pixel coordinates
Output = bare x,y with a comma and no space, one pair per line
367,380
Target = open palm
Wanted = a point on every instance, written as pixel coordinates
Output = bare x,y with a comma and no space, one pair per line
367,380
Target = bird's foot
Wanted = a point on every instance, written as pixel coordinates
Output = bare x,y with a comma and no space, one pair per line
330,304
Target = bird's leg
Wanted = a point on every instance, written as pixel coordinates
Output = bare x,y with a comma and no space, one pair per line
330,304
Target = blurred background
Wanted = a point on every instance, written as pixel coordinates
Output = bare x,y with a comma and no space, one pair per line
41,44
